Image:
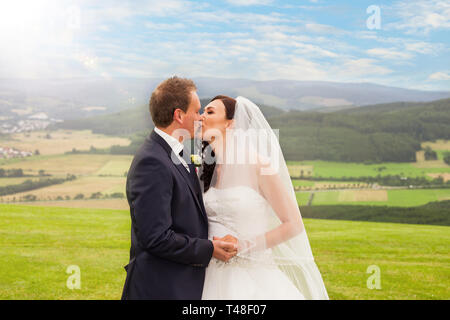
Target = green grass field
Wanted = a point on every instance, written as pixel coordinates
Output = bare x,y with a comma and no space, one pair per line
344,169
39,243
397,198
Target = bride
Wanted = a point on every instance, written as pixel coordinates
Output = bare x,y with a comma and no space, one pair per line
248,194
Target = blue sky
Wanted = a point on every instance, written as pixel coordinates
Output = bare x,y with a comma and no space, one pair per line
253,39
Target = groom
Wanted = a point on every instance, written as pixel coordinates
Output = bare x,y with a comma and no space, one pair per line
170,249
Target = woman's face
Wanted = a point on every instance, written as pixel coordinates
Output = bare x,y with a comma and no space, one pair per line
214,119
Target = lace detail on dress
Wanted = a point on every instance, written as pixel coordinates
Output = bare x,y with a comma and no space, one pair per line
239,211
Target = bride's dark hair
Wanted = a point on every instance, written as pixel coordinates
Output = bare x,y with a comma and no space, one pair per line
209,166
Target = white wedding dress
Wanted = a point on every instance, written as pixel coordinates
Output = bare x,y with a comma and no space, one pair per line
251,197
242,278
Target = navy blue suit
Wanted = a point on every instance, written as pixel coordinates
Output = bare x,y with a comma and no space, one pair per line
169,227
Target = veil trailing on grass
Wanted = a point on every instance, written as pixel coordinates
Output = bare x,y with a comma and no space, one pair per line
269,228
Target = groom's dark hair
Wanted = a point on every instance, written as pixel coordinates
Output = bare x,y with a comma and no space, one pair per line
173,93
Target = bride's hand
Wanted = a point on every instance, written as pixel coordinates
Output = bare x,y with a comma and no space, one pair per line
228,238
223,250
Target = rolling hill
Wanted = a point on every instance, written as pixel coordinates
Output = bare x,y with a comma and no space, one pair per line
377,133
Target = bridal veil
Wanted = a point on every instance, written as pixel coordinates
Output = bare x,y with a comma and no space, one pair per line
251,158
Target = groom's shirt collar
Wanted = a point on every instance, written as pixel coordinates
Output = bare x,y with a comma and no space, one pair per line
174,144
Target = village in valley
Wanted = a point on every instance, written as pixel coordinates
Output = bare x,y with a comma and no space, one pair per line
8,153
35,122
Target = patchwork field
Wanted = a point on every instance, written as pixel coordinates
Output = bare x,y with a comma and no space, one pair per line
40,243
60,141
106,174
95,173
10,181
84,185
118,166
78,164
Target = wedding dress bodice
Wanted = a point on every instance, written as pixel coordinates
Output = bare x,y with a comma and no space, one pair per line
239,211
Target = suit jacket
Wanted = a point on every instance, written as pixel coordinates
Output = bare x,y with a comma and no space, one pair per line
170,249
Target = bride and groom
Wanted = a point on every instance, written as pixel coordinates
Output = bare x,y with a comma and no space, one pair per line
232,230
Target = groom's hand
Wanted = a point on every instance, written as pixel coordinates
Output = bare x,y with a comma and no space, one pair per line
224,250
228,238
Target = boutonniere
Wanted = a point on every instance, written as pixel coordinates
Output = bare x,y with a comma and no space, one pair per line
196,160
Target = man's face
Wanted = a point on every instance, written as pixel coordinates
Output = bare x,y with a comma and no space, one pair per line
192,114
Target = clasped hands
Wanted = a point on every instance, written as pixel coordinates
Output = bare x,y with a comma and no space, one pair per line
225,248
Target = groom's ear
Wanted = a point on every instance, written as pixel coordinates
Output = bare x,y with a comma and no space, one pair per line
178,116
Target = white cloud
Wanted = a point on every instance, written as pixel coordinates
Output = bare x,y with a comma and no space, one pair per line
249,2
164,26
420,16
323,28
312,50
423,47
389,53
409,45
439,76
361,68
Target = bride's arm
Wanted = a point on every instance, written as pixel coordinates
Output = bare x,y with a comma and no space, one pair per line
285,207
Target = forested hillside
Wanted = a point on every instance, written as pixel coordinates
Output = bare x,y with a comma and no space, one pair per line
385,132
391,132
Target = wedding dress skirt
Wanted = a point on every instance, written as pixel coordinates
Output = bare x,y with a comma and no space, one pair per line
242,278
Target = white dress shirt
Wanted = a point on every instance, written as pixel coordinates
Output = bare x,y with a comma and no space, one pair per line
175,145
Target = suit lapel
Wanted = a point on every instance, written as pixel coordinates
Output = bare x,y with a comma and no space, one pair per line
197,185
180,167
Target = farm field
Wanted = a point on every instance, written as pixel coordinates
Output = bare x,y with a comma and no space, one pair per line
83,185
113,204
344,169
439,145
60,141
40,243
78,164
106,174
322,184
396,197
11,181
95,173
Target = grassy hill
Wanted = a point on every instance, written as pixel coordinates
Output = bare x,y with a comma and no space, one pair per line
39,244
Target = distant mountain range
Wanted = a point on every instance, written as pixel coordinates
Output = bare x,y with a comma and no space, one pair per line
79,98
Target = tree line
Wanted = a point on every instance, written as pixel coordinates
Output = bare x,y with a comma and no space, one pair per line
29,185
